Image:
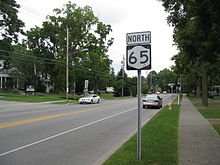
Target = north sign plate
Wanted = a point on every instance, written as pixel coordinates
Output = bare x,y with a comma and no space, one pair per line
138,38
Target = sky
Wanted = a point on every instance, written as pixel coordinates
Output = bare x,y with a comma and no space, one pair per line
124,16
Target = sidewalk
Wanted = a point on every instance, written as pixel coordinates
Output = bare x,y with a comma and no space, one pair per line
199,144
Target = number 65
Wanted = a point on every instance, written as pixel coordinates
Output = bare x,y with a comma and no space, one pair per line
143,57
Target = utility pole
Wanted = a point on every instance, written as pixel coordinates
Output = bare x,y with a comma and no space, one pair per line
74,88
67,63
151,86
123,74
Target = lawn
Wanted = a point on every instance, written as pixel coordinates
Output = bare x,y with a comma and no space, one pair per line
68,102
109,96
159,142
29,98
192,98
211,112
72,99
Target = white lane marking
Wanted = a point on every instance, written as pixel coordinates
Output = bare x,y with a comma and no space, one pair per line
62,133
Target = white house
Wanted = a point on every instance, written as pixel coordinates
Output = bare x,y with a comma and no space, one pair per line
4,77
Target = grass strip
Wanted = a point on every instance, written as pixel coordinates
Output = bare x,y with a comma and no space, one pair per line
217,128
29,98
112,97
67,102
193,98
159,142
73,99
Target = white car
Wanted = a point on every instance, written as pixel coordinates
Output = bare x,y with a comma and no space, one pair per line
90,99
152,101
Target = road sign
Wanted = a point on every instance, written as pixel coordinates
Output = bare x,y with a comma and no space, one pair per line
137,38
171,84
138,57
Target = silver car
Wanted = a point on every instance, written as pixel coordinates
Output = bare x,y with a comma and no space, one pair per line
152,101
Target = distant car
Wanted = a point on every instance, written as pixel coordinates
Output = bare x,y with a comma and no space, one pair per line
157,92
164,92
152,101
90,99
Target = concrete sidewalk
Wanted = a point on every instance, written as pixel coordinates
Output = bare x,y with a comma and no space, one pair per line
199,144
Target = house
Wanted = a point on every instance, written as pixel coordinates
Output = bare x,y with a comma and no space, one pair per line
6,81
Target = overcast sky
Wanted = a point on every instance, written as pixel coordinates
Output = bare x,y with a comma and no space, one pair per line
124,16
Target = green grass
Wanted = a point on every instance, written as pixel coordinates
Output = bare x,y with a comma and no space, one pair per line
176,99
211,112
72,99
107,96
159,142
29,98
68,102
192,98
217,128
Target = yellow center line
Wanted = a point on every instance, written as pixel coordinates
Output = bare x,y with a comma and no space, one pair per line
20,122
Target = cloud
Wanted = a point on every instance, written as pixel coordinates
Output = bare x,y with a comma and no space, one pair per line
124,16
109,12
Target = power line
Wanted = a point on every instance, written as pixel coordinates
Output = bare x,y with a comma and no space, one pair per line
30,10
31,58
35,58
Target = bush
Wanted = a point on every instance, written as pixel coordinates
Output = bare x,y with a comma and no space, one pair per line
118,92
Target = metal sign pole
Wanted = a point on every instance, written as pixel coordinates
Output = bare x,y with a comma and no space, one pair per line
139,116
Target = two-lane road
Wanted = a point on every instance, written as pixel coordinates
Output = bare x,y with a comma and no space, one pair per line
39,133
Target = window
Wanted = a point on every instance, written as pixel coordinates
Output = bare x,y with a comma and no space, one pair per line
1,64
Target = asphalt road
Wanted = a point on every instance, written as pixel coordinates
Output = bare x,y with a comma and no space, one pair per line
52,134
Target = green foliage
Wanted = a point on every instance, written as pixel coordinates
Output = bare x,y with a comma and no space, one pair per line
164,77
88,47
134,91
144,89
129,84
11,26
197,35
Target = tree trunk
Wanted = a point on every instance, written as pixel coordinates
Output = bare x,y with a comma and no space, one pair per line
204,85
96,85
198,89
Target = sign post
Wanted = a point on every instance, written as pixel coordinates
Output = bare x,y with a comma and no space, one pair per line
139,116
138,57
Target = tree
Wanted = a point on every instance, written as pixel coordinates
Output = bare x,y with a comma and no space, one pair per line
88,47
10,26
152,80
121,81
145,88
196,33
165,77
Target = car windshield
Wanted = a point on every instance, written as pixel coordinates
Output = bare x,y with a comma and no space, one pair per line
151,97
88,96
